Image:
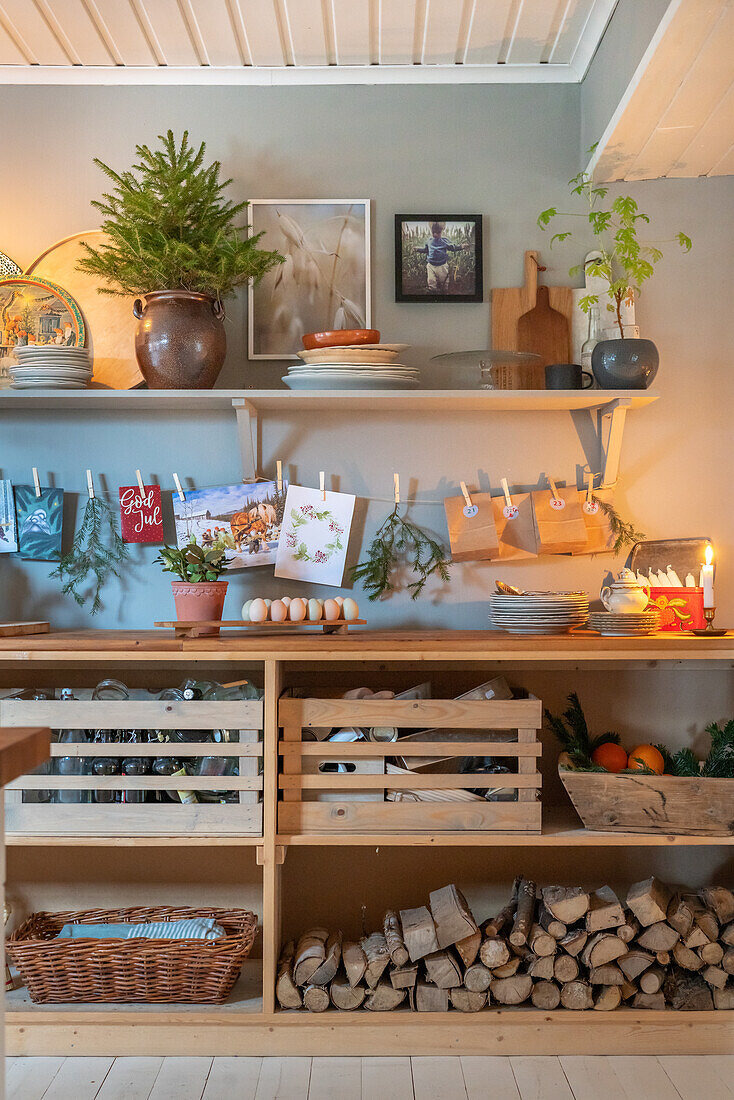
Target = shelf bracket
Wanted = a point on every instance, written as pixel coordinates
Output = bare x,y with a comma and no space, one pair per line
611,416
247,433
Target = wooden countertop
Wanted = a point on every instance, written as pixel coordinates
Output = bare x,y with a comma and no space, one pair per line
109,646
21,750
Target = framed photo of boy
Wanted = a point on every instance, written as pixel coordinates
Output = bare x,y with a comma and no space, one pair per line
438,258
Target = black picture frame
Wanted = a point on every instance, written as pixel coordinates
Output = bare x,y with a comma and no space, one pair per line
476,294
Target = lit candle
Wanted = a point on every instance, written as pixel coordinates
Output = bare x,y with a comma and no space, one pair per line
707,578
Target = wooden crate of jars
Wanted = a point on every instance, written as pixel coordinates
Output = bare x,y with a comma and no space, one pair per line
310,797
205,805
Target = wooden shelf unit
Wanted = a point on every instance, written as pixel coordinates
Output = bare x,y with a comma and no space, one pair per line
253,1026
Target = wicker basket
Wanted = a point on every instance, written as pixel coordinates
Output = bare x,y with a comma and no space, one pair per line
62,971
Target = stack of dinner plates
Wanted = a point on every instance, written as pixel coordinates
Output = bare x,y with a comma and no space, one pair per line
352,367
631,624
51,367
539,612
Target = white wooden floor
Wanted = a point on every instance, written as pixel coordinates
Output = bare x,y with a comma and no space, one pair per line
669,1078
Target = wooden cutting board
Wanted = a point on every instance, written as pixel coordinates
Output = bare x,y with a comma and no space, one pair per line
545,331
509,304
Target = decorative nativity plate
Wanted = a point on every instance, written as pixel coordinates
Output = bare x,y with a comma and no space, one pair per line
39,310
109,318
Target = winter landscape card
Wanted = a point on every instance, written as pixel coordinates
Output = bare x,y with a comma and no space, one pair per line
39,519
244,519
8,536
314,536
141,519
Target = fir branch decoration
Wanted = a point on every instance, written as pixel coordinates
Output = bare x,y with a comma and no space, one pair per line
625,534
683,762
398,541
572,731
96,552
719,764
170,228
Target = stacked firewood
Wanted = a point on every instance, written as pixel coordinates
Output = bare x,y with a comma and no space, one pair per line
555,946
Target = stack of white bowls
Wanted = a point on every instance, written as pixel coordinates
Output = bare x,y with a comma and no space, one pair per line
352,367
51,367
539,612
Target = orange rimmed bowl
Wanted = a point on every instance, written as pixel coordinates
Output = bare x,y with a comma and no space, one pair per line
340,338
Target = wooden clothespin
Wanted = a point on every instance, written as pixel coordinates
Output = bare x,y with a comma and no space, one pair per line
510,511
139,476
470,510
590,505
396,484
179,490
90,485
322,484
279,475
36,482
557,502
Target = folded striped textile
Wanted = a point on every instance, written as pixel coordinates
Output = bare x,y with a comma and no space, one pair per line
197,928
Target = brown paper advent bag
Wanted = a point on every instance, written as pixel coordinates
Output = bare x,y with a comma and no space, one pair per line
472,537
559,521
515,527
599,536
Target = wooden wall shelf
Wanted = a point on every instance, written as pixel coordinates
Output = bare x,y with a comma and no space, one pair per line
252,1025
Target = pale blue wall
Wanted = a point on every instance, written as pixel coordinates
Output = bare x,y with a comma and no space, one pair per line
503,151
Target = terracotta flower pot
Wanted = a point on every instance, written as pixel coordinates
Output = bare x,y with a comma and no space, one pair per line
200,602
180,341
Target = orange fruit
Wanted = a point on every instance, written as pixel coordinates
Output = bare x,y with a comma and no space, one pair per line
611,757
647,756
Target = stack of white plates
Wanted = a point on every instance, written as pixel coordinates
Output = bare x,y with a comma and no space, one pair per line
631,624
353,367
539,612
51,367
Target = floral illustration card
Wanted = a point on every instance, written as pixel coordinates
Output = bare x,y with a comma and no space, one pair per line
8,537
39,519
314,536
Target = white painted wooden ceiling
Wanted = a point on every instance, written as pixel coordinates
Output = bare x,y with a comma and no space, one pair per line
291,41
677,116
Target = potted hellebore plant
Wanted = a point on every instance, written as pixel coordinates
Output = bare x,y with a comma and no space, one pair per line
198,593
172,240
624,263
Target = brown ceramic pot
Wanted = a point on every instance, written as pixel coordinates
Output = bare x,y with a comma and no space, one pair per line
199,603
180,341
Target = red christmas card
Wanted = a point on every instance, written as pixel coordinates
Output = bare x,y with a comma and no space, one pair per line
140,514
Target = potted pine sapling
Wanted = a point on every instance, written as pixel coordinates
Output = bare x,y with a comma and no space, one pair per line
199,592
623,262
172,239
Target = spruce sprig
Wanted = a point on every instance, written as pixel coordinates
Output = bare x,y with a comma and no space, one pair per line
625,534
719,764
97,550
572,731
397,542
170,227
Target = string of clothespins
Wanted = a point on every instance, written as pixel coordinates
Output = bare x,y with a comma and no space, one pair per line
589,478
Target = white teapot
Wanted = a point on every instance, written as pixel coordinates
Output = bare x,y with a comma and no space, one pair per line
625,594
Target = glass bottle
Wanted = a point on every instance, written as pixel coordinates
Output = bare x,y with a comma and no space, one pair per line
135,766
47,768
71,765
105,766
594,335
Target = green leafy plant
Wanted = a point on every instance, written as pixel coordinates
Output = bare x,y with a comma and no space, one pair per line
193,563
170,228
626,262
398,542
625,534
97,552
719,764
572,731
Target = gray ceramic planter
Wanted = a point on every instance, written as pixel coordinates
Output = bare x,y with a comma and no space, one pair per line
625,364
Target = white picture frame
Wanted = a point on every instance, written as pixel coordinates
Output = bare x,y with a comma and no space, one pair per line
316,315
